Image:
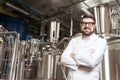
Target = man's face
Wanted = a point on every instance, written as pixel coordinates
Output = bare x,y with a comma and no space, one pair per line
87,26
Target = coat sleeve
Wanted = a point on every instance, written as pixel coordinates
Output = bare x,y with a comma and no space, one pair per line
92,59
66,60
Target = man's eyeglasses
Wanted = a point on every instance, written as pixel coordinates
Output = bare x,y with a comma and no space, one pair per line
89,23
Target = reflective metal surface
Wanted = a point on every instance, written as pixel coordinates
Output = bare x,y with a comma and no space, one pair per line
37,59
114,59
8,55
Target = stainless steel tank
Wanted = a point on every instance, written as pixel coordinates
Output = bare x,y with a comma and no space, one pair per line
114,58
29,60
48,65
111,63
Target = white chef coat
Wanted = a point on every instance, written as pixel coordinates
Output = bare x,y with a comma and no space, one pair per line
88,53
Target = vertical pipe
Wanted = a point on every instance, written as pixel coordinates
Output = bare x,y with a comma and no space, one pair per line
57,31
106,63
14,66
105,19
17,59
102,18
54,31
14,60
22,63
49,66
97,16
71,27
43,67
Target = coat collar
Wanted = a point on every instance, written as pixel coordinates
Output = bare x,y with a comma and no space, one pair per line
93,37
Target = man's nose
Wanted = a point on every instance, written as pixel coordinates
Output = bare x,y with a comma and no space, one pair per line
87,25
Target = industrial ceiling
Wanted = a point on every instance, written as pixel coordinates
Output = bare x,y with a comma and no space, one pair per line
38,11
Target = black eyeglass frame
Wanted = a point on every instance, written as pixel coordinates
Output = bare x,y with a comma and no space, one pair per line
89,23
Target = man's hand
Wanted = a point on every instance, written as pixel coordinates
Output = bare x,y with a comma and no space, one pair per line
72,55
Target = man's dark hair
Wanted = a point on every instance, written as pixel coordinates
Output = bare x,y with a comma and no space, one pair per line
87,16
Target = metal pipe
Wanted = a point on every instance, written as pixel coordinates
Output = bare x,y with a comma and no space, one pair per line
102,18
63,71
71,27
22,63
97,16
54,31
106,63
17,59
18,9
105,19
12,32
58,31
14,61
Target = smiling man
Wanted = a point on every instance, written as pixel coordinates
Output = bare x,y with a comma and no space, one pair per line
84,54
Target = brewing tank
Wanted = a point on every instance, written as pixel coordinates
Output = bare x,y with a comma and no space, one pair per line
111,62
114,58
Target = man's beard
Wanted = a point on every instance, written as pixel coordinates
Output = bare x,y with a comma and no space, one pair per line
86,33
